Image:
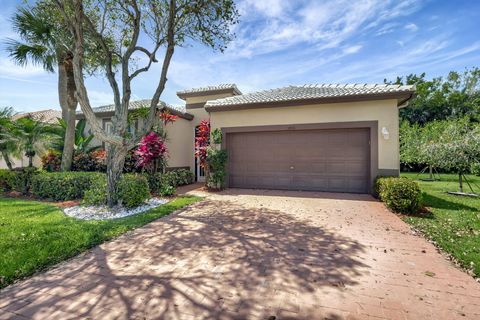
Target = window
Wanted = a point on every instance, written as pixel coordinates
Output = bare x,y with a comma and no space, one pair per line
108,127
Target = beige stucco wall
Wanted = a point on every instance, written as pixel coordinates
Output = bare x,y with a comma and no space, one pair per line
180,137
383,111
180,141
200,99
22,162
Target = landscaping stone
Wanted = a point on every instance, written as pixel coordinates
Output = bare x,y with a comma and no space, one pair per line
104,212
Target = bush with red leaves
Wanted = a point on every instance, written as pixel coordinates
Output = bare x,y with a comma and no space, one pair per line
150,149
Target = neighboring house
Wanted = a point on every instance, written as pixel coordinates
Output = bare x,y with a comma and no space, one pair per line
48,116
334,138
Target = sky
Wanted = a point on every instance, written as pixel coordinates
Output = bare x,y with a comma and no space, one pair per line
280,43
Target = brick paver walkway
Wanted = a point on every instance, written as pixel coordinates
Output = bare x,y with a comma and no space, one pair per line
256,255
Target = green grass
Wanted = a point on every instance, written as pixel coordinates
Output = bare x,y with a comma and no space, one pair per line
454,221
34,235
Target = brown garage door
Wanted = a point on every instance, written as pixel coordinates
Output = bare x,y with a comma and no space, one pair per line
321,160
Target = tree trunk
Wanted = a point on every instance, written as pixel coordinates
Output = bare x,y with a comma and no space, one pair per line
115,161
430,170
8,162
30,161
68,103
460,182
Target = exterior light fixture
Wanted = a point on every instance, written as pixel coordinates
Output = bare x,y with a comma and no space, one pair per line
385,133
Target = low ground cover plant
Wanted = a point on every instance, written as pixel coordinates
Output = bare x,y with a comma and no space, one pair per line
400,194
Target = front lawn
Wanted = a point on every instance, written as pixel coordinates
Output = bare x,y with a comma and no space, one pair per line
454,221
34,235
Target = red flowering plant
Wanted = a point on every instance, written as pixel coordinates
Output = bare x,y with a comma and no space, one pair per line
167,117
202,141
150,149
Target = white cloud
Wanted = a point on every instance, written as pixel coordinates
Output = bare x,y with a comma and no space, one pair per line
352,49
411,27
272,26
9,68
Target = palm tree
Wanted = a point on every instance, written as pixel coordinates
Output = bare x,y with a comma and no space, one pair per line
33,136
8,141
45,42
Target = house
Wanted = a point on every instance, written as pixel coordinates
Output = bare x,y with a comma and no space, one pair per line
334,138
47,116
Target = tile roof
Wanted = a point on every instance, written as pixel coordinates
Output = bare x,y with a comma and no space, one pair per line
137,104
314,91
220,87
47,116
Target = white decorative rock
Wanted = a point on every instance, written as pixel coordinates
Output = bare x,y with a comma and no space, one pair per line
105,213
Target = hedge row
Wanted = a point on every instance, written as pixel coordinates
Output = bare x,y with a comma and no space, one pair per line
400,194
61,186
19,180
91,186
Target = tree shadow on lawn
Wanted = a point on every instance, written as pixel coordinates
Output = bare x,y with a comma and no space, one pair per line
439,203
215,259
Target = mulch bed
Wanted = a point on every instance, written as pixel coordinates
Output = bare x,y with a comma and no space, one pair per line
60,204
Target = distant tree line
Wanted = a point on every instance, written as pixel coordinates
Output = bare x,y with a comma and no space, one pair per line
440,128
443,98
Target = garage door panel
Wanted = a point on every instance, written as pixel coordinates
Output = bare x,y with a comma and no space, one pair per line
324,160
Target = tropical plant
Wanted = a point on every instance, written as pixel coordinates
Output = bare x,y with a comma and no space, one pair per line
217,165
51,161
33,136
165,24
8,141
151,149
202,141
81,142
44,42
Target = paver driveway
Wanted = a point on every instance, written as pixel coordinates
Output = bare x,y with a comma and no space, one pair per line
256,254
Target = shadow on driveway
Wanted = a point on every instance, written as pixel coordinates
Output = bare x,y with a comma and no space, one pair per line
214,260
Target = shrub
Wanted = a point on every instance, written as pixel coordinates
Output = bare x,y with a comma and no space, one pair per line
133,190
154,182
401,195
167,190
97,193
184,177
62,185
130,164
174,178
217,164
52,161
22,179
7,179
92,161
